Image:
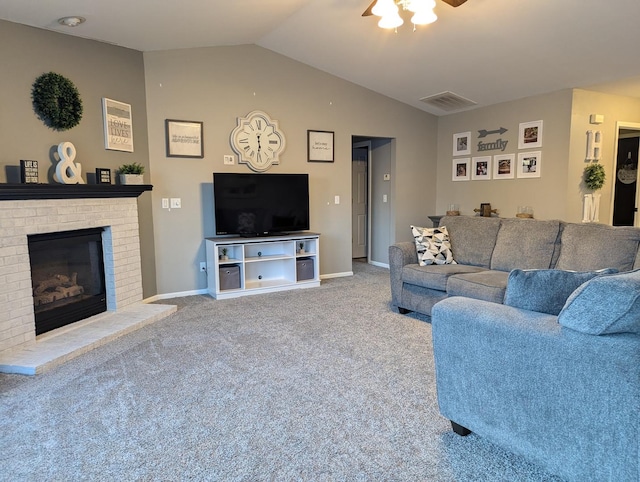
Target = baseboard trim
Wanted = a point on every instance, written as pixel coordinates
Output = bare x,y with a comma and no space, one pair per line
178,294
380,265
336,275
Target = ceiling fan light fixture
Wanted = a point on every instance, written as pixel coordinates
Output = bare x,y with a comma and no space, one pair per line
391,21
384,8
424,17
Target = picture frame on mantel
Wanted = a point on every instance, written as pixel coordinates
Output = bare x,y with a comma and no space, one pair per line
184,138
320,146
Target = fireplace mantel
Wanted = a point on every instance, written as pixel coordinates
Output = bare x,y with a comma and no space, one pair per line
11,192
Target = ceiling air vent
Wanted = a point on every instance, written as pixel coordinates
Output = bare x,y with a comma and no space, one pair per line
448,101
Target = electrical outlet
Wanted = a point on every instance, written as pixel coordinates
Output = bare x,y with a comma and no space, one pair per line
203,266
176,203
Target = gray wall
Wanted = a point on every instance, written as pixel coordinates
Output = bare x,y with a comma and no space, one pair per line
546,194
558,193
216,85
98,70
381,225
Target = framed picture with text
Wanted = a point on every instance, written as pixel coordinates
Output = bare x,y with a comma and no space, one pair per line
320,145
118,125
184,138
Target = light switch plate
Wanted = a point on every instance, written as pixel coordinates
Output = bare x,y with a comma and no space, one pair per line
229,160
176,203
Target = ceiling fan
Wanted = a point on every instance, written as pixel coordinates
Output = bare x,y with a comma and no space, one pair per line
453,3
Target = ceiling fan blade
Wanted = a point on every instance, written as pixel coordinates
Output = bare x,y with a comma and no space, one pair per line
368,12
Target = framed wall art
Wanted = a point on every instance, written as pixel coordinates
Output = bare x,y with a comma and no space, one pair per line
530,135
529,164
461,169
481,168
118,125
184,138
504,166
320,146
462,144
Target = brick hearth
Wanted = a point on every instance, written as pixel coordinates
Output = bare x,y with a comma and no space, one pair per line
121,245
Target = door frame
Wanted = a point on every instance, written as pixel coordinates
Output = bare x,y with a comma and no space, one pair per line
636,127
367,145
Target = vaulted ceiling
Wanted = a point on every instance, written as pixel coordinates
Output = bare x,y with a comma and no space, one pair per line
488,51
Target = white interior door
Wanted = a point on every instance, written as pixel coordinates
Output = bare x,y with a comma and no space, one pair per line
359,207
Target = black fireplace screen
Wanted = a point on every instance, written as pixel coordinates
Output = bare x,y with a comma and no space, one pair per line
67,276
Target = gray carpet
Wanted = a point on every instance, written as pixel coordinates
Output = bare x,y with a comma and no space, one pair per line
324,384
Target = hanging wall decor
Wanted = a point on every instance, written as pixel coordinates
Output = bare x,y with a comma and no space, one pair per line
56,101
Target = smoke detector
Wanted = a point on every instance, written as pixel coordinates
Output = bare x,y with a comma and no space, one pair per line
72,21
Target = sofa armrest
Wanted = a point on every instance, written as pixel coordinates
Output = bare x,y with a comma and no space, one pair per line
400,254
521,380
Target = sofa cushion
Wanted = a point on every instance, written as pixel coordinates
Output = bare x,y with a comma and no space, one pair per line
587,247
472,238
432,245
525,244
485,285
605,305
545,290
434,276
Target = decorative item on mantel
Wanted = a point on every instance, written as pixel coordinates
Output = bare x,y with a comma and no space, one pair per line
67,171
131,173
28,172
485,210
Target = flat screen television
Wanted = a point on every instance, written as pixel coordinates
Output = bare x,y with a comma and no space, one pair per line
252,204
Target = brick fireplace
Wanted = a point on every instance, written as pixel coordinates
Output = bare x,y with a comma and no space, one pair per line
36,209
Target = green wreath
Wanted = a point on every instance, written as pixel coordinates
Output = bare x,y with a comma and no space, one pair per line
56,101
594,176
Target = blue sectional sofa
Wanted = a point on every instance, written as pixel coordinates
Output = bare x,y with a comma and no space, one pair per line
562,390
487,249
536,338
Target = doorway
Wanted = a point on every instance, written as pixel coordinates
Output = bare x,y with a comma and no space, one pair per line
360,200
625,192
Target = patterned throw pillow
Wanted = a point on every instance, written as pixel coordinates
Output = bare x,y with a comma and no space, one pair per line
432,245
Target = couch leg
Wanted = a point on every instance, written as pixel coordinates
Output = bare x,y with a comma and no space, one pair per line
459,429
403,311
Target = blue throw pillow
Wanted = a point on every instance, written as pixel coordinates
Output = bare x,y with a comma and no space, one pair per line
545,290
605,305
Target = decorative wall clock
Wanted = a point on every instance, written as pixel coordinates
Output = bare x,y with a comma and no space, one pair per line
258,141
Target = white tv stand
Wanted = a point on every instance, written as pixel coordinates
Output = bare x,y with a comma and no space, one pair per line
265,264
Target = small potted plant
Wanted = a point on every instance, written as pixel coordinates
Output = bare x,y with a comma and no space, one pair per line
131,173
224,256
301,250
